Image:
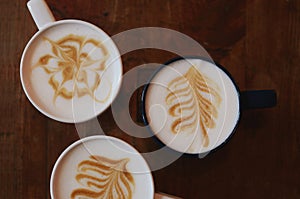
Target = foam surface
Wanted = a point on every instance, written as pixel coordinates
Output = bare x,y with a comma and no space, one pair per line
192,138
37,79
63,181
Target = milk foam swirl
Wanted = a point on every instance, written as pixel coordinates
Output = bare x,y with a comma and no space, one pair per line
71,67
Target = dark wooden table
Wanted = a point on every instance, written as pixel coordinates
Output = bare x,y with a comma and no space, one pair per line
258,41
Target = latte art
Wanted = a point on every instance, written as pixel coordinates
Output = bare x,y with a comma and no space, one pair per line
193,99
101,167
71,67
71,71
191,105
104,178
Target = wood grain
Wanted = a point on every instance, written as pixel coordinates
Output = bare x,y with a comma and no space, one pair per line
256,40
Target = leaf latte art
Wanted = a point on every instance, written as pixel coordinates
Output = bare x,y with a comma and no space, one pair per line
193,100
104,178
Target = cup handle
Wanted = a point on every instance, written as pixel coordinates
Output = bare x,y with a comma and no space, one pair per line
40,13
254,99
164,196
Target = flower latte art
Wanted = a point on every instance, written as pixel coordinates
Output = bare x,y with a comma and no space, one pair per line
71,71
74,65
101,177
190,94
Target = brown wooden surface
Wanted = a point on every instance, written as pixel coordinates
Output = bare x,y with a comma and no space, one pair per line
257,41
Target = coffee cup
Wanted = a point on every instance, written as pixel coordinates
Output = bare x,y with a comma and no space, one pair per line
194,105
101,167
70,70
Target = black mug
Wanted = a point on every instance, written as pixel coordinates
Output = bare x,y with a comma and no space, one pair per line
193,105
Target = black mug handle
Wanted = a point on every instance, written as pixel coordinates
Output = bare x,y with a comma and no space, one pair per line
254,99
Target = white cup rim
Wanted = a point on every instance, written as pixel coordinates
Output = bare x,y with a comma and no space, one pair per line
89,138
116,89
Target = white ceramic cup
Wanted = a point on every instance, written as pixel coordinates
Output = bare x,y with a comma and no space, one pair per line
70,70
75,171
72,174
